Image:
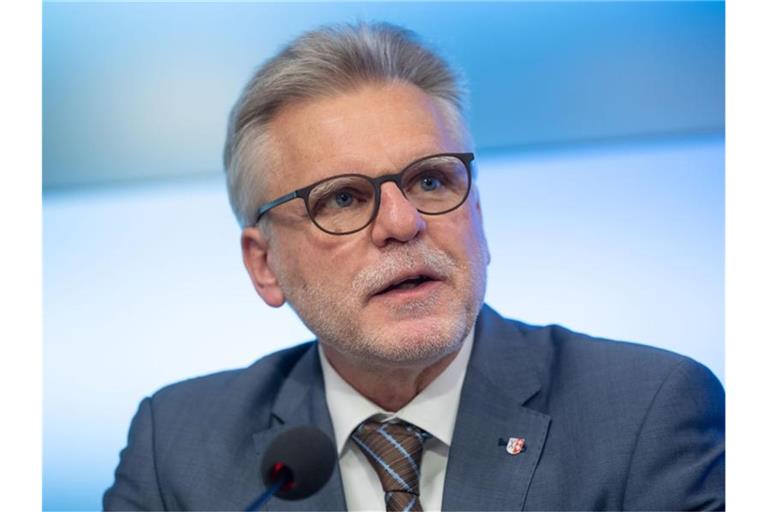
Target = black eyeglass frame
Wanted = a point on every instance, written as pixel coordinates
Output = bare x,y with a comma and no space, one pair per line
377,182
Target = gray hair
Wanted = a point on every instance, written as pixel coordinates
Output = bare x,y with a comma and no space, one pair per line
320,63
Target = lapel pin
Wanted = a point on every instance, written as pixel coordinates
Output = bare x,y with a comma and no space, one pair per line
515,445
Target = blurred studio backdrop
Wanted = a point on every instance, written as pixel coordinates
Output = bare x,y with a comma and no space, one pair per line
600,147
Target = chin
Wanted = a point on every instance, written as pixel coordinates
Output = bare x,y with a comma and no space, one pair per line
413,341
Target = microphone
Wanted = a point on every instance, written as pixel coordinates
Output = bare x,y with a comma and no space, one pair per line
296,465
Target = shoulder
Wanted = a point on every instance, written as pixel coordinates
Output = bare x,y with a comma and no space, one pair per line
275,365
245,394
596,373
594,359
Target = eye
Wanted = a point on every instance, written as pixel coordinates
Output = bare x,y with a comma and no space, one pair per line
340,196
343,199
430,183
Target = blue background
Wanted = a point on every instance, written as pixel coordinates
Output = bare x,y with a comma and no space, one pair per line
599,131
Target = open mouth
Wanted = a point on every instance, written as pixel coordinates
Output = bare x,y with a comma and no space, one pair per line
408,283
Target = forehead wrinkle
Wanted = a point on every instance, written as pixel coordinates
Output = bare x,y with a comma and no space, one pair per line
354,136
343,160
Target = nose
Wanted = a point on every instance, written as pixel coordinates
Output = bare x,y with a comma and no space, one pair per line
397,219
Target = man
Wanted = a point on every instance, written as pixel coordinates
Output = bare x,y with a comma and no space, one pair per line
350,170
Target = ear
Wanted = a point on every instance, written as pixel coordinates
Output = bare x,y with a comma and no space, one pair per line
255,247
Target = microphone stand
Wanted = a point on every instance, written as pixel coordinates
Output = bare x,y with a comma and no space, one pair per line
283,476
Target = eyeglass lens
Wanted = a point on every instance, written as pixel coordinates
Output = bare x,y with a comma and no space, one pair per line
347,203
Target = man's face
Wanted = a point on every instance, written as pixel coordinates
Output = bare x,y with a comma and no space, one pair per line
349,289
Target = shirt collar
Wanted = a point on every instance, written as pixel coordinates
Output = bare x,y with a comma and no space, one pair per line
433,410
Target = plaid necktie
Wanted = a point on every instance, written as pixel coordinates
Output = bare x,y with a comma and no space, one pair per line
394,450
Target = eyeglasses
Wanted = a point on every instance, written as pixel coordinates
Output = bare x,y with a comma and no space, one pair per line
347,203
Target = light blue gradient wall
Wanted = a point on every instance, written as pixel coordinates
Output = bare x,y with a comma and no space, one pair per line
619,236
143,90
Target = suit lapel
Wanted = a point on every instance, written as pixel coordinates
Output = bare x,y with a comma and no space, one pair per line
503,373
301,401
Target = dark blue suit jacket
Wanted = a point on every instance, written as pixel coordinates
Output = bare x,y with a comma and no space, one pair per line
607,425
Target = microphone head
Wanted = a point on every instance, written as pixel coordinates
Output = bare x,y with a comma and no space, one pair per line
307,454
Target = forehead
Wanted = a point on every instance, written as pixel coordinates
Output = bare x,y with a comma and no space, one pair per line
374,129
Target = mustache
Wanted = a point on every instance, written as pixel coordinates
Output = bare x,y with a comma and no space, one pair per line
398,260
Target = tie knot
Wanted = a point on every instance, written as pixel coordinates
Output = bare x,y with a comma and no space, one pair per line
394,450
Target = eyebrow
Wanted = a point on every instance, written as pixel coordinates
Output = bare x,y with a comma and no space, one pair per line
356,166
324,185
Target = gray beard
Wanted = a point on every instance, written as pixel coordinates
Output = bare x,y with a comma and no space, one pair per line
334,325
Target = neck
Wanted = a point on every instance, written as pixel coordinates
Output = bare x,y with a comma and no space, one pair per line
389,387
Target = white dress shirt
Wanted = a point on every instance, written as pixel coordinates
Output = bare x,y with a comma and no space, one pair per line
433,410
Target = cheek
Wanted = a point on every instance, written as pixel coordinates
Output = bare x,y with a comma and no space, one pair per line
287,260
480,242
462,235
477,233
318,259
